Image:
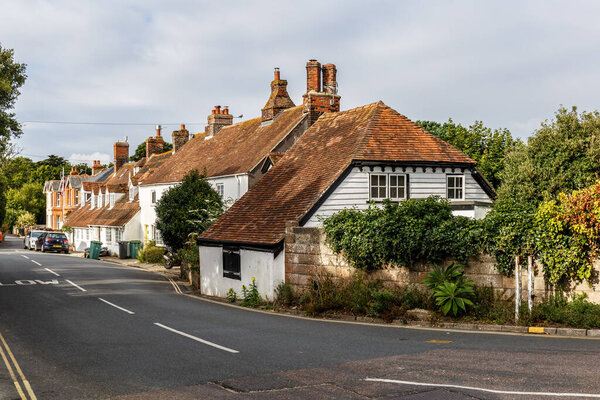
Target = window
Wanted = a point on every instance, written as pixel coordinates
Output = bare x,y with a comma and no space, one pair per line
87,234
108,235
118,234
153,194
112,200
156,236
454,184
58,199
378,186
220,189
383,186
231,263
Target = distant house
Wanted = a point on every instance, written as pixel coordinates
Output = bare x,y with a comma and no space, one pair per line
345,159
232,156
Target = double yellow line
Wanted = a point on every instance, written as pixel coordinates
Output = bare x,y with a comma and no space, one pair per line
175,286
4,351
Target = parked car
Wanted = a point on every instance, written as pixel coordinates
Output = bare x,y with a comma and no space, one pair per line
52,241
30,238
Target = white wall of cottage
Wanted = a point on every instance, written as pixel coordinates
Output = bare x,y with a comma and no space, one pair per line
422,183
82,237
269,272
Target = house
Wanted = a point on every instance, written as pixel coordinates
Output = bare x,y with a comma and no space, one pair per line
61,201
110,209
345,159
233,157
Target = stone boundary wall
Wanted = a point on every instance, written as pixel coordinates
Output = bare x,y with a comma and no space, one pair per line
306,255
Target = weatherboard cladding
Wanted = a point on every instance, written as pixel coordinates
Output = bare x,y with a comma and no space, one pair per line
236,149
323,155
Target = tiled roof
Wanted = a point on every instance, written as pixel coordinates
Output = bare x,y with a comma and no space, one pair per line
119,215
150,166
296,182
51,186
235,149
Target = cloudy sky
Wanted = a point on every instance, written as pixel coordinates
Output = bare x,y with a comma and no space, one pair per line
507,63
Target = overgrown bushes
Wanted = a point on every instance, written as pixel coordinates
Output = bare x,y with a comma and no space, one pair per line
151,254
415,230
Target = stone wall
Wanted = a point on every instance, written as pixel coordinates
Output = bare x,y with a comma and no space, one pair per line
306,254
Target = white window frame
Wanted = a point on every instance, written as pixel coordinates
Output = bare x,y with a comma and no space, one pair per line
454,188
378,186
220,189
153,197
387,186
118,235
108,235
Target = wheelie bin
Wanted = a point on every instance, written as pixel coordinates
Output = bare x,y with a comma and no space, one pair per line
134,247
95,247
124,251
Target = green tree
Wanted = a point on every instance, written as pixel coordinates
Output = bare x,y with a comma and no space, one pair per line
562,155
12,77
25,219
485,146
29,197
19,171
191,206
140,151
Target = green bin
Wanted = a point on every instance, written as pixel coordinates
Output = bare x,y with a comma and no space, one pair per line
95,247
134,247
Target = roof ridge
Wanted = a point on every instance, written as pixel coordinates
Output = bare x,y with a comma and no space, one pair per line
375,113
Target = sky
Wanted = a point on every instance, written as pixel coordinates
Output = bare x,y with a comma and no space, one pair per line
510,64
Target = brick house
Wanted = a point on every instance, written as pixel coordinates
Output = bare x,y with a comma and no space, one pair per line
345,159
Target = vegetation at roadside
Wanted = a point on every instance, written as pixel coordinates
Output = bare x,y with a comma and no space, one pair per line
151,254
190,206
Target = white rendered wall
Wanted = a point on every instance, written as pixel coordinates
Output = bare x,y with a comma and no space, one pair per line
268,271
354,190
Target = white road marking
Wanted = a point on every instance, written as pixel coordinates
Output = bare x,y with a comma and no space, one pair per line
52,272
36,263
25,256
197,338
116,306
77,286
548,394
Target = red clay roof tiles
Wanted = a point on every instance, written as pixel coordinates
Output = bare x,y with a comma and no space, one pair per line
288,191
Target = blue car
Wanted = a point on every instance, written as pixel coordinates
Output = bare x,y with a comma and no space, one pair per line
52,241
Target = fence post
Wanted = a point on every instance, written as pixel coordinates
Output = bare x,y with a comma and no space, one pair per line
517,287
530,282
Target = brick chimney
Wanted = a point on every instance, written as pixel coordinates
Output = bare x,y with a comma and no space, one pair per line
180,138
96,167
217,120
121,155
74,171
316,100
279,99
154,144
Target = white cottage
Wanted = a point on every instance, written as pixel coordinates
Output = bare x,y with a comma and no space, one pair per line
345,159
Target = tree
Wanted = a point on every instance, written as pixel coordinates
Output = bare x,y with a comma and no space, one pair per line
562,155
485,146
140,151
25,219
12,77
189,207
19,171
30,198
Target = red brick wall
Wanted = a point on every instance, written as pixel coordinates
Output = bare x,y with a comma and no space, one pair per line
121,152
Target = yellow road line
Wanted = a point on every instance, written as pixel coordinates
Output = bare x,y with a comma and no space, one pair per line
175,286
18,368
12,375
536,329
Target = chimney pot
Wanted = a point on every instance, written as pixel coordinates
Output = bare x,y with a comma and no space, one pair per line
277,74
218,109
158,128
182,126
226,110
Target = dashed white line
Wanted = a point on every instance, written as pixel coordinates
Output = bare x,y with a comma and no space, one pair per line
116,306
513,392
24,256
52,272
197,338
76,285
36,263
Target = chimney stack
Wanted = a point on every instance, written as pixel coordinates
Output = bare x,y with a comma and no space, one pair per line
279,99
181,137
154,145
316,100
96,167
217,120
74,171
121,155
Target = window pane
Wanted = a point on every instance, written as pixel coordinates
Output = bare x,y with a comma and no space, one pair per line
393,190
382,180
382,192
374,192
393,181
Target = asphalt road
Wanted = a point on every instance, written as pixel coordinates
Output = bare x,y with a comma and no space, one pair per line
83,329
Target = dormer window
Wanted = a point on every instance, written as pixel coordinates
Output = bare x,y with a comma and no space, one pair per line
455,187
220,189
153,197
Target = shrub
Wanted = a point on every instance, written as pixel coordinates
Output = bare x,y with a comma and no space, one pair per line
151,254
415,230
450,289
231,295
284,295
579,312
251,295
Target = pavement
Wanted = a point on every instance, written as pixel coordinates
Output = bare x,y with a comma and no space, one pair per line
88,329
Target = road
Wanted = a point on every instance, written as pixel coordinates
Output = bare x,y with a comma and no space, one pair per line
72,328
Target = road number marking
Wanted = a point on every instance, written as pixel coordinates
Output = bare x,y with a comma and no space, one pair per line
116,306
197,338
514,392
76,285
19,371
36,263
52,272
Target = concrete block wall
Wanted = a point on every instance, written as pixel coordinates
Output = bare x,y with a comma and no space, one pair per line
306,255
